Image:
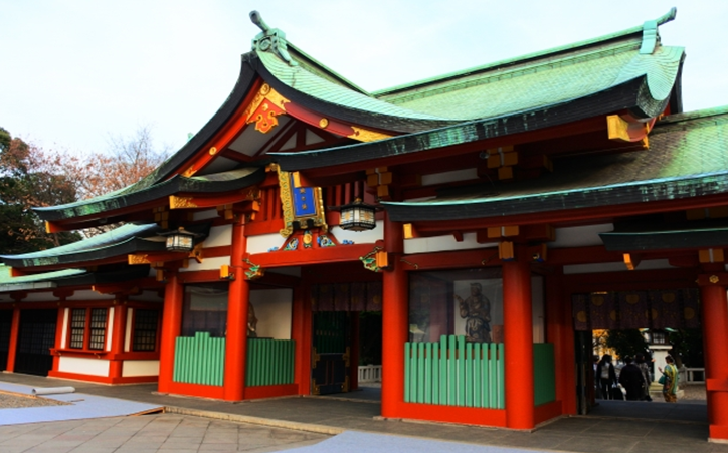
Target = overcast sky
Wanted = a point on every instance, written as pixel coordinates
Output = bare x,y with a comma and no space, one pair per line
74,72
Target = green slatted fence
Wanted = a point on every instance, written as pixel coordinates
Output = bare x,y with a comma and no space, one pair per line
455,373
270,362
199,359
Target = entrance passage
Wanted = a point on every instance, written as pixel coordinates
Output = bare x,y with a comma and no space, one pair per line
6,320
36,337
331,352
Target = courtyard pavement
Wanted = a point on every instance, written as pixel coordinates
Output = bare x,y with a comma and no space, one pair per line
295,422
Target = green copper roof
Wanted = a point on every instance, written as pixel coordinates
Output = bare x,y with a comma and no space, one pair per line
139,193
548,81
304,79
502,88
109,239
35,281
688,158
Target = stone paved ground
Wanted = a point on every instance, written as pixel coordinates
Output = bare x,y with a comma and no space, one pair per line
9,400
164,433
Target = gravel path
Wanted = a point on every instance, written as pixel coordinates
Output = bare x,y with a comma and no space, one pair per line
12,401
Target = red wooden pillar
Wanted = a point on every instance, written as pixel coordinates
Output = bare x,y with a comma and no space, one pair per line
518,339
303,334
59,335
116,370
394,321
13,346
236,336
171,327
715,333
560,332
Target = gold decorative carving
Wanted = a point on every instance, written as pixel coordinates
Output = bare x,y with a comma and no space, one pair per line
213,151
136,258
714,279
176,202
324,123
365,135
189,172
263,109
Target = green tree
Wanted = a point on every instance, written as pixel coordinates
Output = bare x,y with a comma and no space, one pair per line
30,177
627,342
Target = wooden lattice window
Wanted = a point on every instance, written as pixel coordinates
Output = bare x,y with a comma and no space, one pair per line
78,327
146,324
97,337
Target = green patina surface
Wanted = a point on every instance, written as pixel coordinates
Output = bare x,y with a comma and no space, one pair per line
9,283
688,152
531,81
123,234
123,197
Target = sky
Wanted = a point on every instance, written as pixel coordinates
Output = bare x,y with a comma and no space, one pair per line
74,73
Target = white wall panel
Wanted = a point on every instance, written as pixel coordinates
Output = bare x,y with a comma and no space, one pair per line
219,236
91,367
444,243
263,242
133,368
206,264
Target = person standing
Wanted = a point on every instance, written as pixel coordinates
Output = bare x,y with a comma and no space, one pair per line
607,377
645,369
669,380
630,377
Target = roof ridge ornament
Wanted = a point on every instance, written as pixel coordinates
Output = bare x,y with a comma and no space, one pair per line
270,39
651,33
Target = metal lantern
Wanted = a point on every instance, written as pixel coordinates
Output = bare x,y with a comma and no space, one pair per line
357,216
180,240
658,337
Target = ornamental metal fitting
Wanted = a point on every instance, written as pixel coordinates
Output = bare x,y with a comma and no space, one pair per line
270,39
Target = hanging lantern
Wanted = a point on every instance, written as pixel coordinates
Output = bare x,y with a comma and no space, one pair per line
358,216
180,240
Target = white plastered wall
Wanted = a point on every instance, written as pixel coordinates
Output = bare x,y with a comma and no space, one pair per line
90,367
273,308
134,368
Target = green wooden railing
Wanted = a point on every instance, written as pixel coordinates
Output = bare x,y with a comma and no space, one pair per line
544,373
454,373
199,359
270,362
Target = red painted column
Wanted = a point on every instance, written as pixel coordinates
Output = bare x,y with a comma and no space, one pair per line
715,333
303,334
171,327
117,341
236,336
13,346
560,332
518,339
394,321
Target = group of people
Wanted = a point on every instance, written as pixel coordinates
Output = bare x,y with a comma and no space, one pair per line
634,377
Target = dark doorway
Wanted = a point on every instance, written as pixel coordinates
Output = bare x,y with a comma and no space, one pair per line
331,352
6,321
36,336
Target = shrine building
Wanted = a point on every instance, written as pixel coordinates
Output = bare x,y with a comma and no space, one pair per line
494,216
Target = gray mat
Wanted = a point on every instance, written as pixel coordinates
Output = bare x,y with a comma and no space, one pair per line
81,406
353,441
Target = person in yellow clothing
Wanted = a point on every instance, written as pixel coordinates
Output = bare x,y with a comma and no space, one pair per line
669,380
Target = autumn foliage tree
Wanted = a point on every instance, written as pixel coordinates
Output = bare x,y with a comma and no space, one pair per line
30,177
128,161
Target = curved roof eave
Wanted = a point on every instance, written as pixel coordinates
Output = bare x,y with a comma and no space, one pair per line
669,171
174,185
632,94
339,101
